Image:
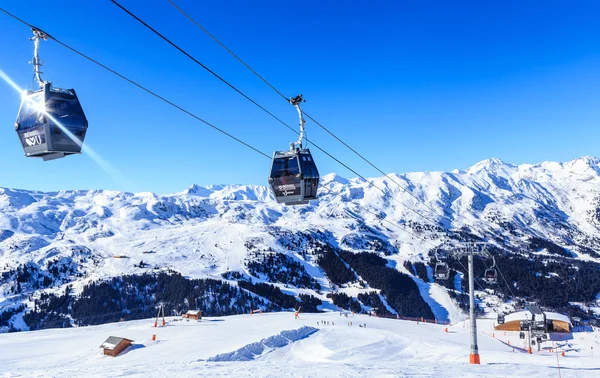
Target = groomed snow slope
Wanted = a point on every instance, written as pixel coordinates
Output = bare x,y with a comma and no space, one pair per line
385,347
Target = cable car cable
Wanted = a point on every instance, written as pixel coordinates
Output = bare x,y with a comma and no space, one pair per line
258,105
303,112
196,117
308,116
314,120
229,51
191,114
217,128
138,85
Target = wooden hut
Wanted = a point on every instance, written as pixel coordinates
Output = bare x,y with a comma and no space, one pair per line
194,315
113,346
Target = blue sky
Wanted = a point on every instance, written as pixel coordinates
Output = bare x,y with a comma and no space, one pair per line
414,86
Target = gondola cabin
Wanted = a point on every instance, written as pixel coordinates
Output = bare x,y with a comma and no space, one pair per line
294,177
442,271
51,123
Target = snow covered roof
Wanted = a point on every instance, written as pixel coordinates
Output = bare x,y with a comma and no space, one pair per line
112,342
557,316
517,316
192,312
526,315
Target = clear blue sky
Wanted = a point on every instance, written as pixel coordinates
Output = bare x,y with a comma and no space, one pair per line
413,85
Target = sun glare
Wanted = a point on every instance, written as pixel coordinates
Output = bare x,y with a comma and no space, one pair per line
116,175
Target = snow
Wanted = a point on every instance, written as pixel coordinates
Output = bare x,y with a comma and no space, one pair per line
519,315
202,231
276,344
108,346
255,350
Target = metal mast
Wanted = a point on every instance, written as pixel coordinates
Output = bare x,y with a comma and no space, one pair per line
472,249
296,102
37,63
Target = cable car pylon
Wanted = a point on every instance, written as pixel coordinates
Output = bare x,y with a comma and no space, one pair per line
471,249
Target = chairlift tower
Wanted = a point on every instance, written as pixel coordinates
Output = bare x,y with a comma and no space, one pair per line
471,249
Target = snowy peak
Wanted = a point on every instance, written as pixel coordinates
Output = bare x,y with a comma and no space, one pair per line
492,166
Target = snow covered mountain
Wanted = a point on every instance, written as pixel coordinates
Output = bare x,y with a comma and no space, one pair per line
49,240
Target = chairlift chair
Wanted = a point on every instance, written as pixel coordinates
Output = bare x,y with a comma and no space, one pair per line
491,276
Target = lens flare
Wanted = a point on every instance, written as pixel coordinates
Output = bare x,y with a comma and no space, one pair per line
115,174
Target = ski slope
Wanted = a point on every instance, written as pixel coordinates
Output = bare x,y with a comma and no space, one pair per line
276,345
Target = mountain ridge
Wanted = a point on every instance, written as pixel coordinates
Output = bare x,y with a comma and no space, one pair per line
549,209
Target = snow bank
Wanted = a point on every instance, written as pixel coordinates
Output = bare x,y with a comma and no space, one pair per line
259,348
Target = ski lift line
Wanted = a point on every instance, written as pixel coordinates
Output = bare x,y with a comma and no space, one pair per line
302,112
196,117
217,128
466,270
139,86
431,209
200,63
228,50
191,114
260,106
505,282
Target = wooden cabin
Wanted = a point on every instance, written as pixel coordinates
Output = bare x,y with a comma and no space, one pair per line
194,315
113,346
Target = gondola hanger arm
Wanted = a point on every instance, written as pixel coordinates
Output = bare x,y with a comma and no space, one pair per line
296,103
37,63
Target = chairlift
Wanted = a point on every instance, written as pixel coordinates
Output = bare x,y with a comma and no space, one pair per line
491,276
51,123
521,335
500,319
442,271
294,176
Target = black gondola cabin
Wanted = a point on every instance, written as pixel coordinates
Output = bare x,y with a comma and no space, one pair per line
51,123
442,271
294,177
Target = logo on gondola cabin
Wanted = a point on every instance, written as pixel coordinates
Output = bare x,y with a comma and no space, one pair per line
287,189
33,138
